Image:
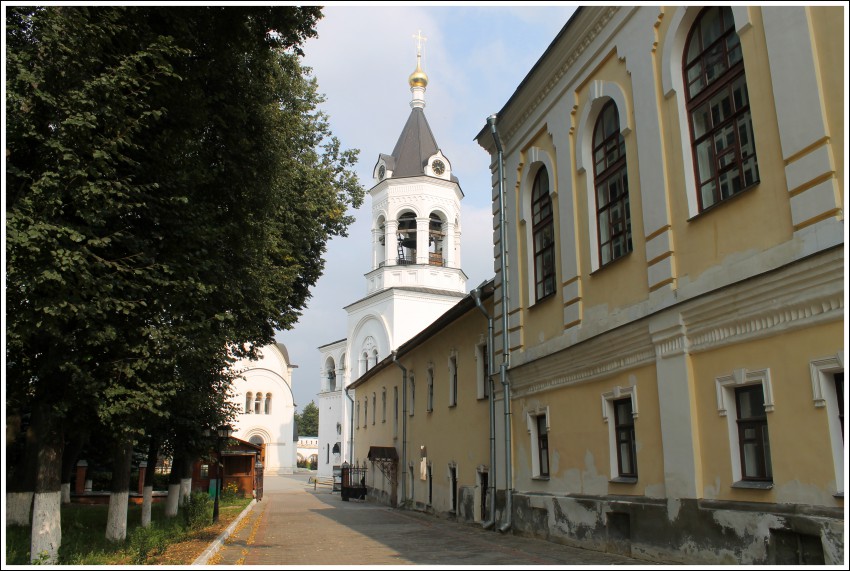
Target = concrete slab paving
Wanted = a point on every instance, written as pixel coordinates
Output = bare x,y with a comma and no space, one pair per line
298,525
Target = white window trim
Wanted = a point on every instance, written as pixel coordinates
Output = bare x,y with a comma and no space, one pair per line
608,399
531,421
600,93
726,386
673,83
824,397
536,158
480,356
453,380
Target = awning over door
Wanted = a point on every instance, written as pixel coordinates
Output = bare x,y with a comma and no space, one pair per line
378,453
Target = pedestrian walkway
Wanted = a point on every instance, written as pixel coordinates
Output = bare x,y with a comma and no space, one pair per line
297,525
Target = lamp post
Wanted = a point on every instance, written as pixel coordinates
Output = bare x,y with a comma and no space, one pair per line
224,433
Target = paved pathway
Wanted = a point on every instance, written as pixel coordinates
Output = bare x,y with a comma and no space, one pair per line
295,525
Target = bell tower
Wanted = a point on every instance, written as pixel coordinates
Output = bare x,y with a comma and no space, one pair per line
414,276
416,207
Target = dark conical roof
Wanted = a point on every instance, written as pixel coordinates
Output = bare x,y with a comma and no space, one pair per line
415,146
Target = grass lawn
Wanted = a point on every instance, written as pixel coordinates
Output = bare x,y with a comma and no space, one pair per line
167,541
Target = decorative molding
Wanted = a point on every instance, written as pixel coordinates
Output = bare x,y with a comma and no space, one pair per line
616,393
819,367
592,32
739,378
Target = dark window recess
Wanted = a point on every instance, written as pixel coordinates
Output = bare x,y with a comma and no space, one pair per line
753,440
718,105
543,236
624,427
792,548
611,183
543,445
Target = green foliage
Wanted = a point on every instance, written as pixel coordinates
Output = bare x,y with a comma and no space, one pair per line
169,200
198,510
230,492
307,422
146,541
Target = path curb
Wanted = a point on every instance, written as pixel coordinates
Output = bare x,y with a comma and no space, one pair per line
213,548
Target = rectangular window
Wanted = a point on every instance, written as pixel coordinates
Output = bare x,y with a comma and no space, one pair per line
395,411
753,441
384,405
543,445
357,416
453,381
624,428
430,396
374,408
412,395
205,471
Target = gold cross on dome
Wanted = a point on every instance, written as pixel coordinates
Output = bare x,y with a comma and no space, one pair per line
419,39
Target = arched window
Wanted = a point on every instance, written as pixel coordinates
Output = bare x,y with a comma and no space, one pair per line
406,243
249,402
718,108
258,403
268,409
543,236
331,375
612,186
374,357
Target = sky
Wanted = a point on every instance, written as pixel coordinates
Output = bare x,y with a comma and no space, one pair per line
475,57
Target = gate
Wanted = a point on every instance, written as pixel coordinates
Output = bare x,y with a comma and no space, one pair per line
353,483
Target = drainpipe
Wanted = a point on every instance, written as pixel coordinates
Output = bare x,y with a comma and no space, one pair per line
350,430
403,427
476,295
503,368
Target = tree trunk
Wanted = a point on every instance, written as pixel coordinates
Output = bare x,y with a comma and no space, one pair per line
173,501
46,535
186,481
147,492
21,469
116,523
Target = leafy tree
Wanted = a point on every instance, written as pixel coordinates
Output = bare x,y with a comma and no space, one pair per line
307,422
169,199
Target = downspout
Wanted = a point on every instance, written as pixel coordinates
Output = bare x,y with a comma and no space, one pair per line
403,428
350,430
476,295
503,368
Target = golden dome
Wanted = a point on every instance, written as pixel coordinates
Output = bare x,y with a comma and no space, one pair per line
418,77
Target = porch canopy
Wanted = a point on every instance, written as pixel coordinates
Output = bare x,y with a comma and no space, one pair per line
386,457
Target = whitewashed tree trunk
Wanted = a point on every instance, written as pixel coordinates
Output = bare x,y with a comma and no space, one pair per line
185,490
18,506
172,502
116,522
46,528
147,502
66,493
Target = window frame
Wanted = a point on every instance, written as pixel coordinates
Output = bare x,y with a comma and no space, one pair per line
826,397
726,401
453,391
542,223
612,168
624,429
739,119
429,402
761,441
533,423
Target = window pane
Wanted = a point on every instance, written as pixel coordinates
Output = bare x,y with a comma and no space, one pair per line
750,467
707,193
701,120
705,160
710,26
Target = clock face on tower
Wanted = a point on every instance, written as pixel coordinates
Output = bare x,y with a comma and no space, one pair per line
439,167
381,172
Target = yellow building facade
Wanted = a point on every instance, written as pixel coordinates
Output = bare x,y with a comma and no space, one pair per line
422,417
673,187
